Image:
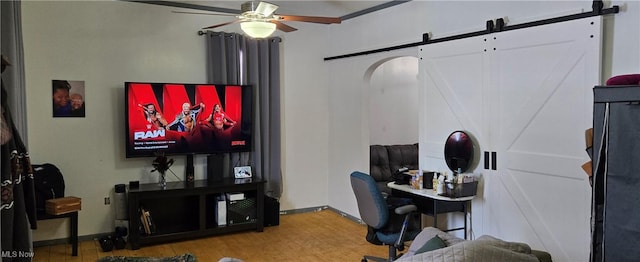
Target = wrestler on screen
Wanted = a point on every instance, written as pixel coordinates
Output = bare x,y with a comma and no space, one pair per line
219,118
153,116
185,121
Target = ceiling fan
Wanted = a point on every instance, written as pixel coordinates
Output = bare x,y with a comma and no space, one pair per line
258,19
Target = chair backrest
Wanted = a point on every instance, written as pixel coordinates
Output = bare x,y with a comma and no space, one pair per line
371,204
379,163
403,156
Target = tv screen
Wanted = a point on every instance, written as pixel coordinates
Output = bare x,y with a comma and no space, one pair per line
174,119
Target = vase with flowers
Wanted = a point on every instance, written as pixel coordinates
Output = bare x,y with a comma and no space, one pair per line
162,164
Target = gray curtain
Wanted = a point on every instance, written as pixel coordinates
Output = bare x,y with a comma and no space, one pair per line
16,184
239,60
14,75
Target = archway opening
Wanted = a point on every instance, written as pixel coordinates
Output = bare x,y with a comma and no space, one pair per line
393,101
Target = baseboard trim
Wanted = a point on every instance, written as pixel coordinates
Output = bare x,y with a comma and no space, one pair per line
350,217
303,210
60,241
320,208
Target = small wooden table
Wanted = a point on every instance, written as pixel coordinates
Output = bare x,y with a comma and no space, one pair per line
73,234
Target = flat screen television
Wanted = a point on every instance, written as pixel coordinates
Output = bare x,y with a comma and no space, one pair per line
186,119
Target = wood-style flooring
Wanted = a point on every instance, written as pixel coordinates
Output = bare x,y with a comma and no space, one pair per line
314,236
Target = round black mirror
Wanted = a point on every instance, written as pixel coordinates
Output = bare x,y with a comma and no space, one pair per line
458,151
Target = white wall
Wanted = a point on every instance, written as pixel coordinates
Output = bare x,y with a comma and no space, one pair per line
622,33
305,112
103,44
349,124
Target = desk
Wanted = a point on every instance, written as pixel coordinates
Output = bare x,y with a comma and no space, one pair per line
431,204
73,227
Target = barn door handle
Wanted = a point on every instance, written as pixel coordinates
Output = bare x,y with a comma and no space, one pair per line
494,160
487,159
490,160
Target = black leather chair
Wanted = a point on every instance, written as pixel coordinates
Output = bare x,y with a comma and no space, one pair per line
387,219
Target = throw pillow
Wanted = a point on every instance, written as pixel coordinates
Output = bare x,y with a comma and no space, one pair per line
433,244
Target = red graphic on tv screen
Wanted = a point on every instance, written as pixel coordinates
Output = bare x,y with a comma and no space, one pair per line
187,118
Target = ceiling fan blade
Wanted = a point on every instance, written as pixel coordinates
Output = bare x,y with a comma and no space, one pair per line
311,19
266,9
283,27
223,24
200,13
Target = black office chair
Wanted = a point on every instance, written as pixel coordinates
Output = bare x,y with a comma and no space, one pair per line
384,227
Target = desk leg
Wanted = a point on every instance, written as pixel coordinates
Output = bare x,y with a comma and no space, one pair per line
435,213
74,234
465,206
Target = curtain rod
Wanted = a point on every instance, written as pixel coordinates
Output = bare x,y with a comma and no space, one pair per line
499,26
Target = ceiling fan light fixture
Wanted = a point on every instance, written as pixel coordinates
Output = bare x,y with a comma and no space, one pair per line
258,29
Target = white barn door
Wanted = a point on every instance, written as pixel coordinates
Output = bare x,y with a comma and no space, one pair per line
544,78
452,95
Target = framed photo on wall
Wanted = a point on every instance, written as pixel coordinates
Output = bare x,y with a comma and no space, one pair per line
67,97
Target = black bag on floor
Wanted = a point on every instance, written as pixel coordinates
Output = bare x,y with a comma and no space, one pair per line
48,184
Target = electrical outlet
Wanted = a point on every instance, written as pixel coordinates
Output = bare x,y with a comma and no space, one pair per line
107,201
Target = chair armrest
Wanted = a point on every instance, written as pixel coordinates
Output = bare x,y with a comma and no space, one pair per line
406,209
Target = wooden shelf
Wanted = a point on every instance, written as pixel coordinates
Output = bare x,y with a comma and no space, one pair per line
184,211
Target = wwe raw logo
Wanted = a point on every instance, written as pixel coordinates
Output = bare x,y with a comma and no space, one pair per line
140,135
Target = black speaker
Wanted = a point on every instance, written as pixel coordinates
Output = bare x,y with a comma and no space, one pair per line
271,211
120,201
217,167
189,173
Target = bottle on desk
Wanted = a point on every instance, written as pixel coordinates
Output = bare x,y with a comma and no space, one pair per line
440,188
416,181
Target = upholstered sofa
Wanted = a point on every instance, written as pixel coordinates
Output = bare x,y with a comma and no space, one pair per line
385,160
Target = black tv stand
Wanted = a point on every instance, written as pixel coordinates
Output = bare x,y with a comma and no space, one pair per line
187,210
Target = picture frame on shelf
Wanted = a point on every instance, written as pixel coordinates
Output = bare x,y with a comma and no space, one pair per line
242,172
